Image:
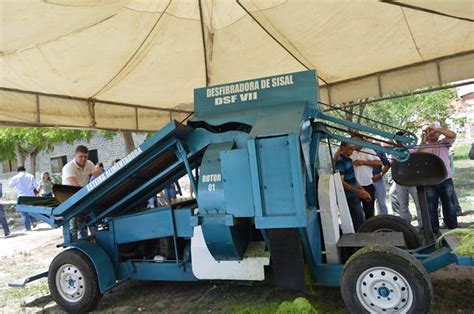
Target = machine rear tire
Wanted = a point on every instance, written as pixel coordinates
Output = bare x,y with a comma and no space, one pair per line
385,279
392,223
73,283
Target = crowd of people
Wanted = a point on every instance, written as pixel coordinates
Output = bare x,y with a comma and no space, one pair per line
77,172
362,171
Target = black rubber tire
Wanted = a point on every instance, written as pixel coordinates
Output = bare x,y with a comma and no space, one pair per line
92,293
393,223
390,258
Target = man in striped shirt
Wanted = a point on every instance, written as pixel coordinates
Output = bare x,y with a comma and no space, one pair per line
354,192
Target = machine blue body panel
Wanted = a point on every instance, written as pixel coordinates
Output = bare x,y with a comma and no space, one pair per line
101,261
237,183
282,203
211,189
150,270
224,241
156,223
280,120
434,258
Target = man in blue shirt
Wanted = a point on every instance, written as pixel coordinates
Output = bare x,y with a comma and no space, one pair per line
354,192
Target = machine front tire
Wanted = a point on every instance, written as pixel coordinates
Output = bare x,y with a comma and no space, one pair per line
382,223
385,279
73,283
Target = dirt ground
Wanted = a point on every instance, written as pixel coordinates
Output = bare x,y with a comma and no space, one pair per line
25,253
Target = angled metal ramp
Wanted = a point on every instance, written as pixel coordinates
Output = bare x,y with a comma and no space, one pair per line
159,161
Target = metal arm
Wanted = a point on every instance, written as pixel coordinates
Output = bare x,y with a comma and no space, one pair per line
400,153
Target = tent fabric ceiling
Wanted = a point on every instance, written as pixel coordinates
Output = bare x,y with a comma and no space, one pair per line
133,64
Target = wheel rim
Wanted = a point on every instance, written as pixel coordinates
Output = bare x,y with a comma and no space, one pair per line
70,283
381,289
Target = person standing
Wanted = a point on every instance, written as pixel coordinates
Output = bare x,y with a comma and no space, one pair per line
379,183
100,167
364,161
399,195
3,219
77,173
392,194
25,185
403,193
453,171
354,192
437,141
46,186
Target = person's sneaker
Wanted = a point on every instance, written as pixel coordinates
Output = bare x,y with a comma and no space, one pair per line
34,224
8,235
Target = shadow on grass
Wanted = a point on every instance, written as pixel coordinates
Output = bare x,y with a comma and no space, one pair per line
40,302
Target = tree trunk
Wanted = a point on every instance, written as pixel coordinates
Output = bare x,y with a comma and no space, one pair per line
349,111
20,157
33,155
128,141
361,113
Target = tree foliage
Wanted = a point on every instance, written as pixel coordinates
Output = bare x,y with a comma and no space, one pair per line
410,112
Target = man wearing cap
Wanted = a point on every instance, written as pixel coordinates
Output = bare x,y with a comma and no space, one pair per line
437,140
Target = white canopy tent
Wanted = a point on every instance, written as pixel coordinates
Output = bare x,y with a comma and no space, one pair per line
133,64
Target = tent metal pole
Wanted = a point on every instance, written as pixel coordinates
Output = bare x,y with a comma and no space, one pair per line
204,43
97,101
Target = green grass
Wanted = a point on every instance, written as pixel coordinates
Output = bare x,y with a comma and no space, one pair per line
461,152
266,307
464,183
20,293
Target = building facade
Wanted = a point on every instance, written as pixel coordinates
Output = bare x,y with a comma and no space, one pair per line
100,150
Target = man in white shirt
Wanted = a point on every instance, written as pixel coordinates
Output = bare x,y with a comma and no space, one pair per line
25,185
364,161
77,173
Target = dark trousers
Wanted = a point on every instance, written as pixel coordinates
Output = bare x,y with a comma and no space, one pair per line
445,192
3,221
369,207
355,208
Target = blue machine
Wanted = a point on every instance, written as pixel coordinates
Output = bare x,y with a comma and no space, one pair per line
250,152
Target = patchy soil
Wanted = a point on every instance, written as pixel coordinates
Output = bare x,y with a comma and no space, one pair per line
25,253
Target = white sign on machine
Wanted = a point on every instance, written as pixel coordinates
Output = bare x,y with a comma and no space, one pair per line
245,91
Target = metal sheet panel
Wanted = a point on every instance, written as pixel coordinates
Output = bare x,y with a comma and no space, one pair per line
237,183
276,176
148,225
211,190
